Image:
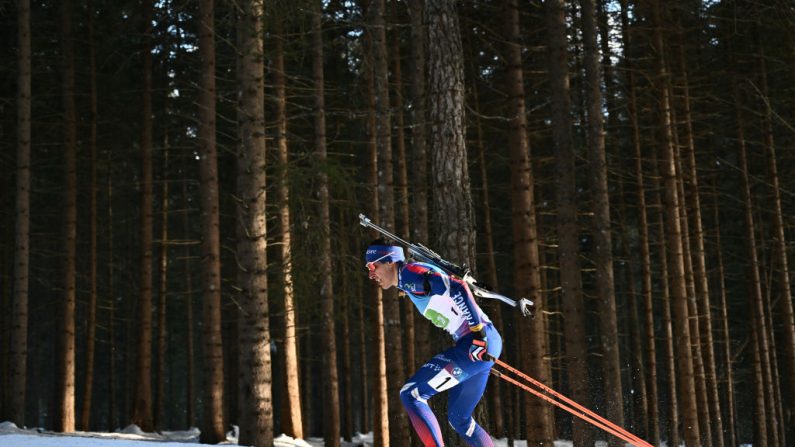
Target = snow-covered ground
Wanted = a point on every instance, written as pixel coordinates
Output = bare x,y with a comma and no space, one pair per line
132,436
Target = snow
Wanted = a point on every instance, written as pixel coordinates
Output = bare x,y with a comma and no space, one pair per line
133,436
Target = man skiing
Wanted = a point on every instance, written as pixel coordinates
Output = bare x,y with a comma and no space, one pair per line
462,370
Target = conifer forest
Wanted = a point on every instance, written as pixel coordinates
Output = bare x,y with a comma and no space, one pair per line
181,184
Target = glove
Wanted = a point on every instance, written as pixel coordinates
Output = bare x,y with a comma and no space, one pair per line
478,352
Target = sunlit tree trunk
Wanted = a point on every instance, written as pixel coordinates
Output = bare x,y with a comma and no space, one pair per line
65,421
18,347
212,423
402,189
674,244
419,154
142,401
331,400
565,194
533,346
256,406
393,333
380,419
293,419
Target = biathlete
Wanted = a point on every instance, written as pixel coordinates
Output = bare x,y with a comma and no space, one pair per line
462,370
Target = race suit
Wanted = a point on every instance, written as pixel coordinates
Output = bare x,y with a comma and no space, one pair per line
448,303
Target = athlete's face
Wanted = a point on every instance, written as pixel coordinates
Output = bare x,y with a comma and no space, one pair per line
384,273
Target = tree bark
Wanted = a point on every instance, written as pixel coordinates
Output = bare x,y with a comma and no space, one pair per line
452,201
533,344
212,423
293,419
18,347
256,407
331,404
568,236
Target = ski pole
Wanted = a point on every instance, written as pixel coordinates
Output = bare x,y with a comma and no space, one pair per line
572,407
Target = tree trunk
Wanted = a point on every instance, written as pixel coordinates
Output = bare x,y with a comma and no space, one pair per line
702,403
66,354
190,399
725,339
761,345
256,407
346,369
539,429
652,410
393,334
787,318
403,183
497,406
91,323
674,245
292,421
162,331
568,236
331,398
452,200
18,347
670,355
699,261
419,155
142,401
112,375
600,202
377,344
212,424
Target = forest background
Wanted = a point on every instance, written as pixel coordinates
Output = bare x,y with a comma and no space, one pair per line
182,182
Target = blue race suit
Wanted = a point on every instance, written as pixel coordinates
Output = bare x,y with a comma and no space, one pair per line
448,303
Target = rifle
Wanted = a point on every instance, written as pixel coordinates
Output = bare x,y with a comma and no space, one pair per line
425,254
